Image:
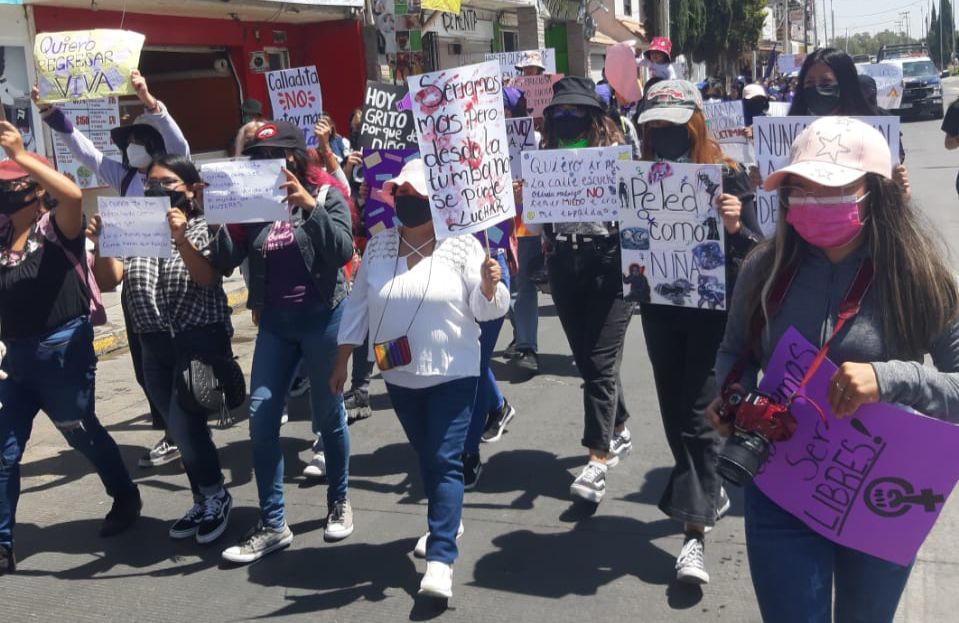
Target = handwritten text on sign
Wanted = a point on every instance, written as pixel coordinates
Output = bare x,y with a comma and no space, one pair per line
384,126
572,185
94,119
522,137
508,60
538,91
672,240
86,64
875,482
727,124
244,191
134,227
774,136
462,137
295,96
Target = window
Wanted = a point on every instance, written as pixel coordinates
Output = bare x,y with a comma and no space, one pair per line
628,8
510,41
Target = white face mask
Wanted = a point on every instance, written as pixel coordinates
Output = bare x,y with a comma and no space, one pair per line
138,156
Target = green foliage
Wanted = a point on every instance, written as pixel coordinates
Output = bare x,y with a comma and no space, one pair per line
869,43
941,54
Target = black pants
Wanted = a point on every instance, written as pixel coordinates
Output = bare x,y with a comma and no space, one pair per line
588,292
362,367
682,345
136,355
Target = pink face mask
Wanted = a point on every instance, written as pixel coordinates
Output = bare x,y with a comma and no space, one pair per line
826,222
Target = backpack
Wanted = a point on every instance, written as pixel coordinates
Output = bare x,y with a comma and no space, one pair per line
98,313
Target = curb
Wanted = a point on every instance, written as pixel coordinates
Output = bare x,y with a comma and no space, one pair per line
109,338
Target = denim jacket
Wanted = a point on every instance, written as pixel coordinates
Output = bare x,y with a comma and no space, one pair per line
324,237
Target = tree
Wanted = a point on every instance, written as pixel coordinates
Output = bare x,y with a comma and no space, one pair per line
868,43
941,49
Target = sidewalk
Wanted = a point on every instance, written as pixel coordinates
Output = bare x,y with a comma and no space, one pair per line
113,335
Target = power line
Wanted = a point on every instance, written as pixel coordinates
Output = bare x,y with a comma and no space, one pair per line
894,10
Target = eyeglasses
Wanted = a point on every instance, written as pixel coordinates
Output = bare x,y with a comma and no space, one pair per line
569,113
167,183
798,194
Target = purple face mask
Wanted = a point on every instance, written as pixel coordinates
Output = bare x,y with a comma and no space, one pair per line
827,222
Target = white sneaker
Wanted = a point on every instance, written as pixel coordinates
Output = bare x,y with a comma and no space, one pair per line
691,562
619,448
317,466
420,550
437,581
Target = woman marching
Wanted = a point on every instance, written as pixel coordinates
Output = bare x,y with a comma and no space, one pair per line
419,300
843,225
47,332
681,341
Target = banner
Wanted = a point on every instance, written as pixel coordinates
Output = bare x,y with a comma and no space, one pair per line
889,83
384,125
507,60
572,185
461,128
522,137
244,191
295,96
875,482
726,121
86,64
538,91
773,137
380,166
672,239
445,6
134,227
94,119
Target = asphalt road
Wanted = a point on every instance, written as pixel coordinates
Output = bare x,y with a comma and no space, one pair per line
528,554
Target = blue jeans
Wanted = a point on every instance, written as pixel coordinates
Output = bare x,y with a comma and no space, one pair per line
162,355
794,568
287,335
55,372
436,420
488,395
525,308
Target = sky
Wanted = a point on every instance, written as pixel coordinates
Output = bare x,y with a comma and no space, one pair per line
877,15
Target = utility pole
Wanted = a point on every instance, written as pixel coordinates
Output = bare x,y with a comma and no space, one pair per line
787,47
942,61
805,35
831,10
904,15
825,26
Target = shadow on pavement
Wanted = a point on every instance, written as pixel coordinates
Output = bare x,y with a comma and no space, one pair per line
531,473
655,483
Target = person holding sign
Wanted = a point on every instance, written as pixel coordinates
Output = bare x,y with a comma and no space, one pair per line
297,285
682,341
420,299
46,327
845,234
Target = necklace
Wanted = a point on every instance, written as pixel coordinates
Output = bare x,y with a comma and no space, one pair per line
416,250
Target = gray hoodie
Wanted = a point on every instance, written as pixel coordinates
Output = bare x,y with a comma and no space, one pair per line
811,307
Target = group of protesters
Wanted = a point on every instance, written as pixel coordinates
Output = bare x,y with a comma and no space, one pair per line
429,312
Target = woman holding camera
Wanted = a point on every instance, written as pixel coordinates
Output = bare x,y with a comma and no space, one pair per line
841,214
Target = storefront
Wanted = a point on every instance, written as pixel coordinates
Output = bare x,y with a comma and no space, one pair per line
17,74
460,39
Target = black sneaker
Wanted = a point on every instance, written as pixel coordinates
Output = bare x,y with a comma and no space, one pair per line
185,527
472,468
216,516
126,509
357,405
590,485
162,453
527,359
498,421
8,562
300,386
511,350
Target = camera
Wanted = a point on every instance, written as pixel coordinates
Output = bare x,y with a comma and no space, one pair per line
757,422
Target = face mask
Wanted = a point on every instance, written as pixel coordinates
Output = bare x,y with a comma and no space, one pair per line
828,222
822,100
570,126
14,201
670,142
178,198
756,107
138,157
412,211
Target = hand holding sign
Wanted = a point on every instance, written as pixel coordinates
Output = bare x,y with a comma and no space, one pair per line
853,385
11,140
177,221
491,277
140,86
730,208
296,195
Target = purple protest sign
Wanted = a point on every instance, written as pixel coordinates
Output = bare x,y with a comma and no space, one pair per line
380,166
875,482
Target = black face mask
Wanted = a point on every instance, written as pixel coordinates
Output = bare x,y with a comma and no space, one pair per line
178,198
412,211
569,127
756,107
670,142
821,100
12,201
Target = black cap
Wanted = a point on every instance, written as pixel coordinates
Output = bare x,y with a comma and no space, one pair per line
574,91
868,86
280,133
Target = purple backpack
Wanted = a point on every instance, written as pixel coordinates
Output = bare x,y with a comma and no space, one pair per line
98,313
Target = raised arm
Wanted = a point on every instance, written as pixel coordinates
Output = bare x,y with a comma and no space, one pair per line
173,139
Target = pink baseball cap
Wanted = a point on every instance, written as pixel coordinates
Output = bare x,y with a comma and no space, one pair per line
834,152
413,174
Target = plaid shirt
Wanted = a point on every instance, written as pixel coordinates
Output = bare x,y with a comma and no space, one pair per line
159,294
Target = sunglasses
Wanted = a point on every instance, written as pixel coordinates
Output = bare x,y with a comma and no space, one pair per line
569,113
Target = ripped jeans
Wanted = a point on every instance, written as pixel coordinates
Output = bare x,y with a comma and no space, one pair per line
57,373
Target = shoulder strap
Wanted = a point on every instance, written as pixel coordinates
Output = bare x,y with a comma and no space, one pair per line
127,180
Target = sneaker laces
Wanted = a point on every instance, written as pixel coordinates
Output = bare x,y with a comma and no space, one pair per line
195,512
592,472
212,507
691,554
338,511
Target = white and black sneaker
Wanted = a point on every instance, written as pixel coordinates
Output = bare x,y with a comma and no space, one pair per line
472,468
620,447
722,507
216,516
691,563
316,468
300,386
162,453
499,419
185,527
339,522
590,485
257,543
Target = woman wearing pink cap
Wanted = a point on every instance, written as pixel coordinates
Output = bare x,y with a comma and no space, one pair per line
845,238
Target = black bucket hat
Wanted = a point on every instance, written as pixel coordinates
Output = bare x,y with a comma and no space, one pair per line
144,124
574,91
277,133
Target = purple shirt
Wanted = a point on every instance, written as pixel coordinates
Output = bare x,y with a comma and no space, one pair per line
287,280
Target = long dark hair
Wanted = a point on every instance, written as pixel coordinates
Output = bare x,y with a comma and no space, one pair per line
851,100
602,131
186,170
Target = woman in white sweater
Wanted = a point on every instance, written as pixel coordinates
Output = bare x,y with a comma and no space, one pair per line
420,299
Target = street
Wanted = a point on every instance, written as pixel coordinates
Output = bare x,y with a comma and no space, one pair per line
528,554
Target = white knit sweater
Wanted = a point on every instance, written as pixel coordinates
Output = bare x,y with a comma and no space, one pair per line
444,335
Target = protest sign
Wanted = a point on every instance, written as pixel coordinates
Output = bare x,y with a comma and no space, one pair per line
295,96
94,119
244,191
508,60
773,136
572,185
384,124
538,91
86,64
672,239
726,121
875,482
789,63
889,83
134,227
778,109
461,129
522,137
380,166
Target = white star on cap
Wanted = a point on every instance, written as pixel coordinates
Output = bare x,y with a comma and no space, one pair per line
832,147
